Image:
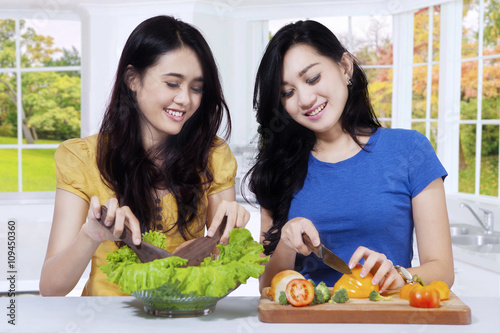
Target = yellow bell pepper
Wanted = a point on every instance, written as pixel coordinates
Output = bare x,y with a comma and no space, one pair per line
356,286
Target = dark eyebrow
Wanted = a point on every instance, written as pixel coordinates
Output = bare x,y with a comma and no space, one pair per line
180,76
302,72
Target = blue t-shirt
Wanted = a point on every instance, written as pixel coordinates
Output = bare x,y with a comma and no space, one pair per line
366,199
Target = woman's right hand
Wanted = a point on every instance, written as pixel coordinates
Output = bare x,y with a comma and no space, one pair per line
120,216
292,231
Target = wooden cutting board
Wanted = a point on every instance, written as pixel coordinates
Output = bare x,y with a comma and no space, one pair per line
396,311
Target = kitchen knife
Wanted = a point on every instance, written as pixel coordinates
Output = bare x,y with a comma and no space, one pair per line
328,256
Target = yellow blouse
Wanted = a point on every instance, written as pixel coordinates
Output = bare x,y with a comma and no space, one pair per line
77,172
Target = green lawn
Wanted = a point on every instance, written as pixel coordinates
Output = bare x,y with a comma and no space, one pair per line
489,177
8,175
5,140
39,171
38,168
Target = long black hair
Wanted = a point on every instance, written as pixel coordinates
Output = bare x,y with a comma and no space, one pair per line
126,167
284,145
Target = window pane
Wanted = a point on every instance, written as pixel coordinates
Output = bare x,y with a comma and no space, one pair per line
8,110
275,25
435,32
434,134
491,93
421,127
470,28
489,161
385,123
7,44
372,39
420,35
339,25
51,103
435,92
50,43
419,94
8,174
467,158
380,90
418,126
491,27
39,170
468,102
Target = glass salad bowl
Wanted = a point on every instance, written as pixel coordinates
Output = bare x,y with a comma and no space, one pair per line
167,301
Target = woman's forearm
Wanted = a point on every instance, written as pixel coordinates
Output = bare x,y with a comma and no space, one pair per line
282,258
435,270
62,271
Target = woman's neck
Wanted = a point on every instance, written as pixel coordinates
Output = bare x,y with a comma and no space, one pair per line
337,146
151,137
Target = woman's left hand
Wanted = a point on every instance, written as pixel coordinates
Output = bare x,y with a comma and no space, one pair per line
382,268
237,217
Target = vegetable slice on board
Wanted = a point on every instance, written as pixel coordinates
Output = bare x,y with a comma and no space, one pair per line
356,286
299,292
425,297
442,287
404,293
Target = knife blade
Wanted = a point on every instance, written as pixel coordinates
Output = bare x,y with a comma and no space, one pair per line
328,256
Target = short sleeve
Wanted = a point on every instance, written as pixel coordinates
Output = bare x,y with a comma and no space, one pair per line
74,166
424,165
222,164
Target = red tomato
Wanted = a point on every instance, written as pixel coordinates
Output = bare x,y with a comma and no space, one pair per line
299,292
425,297
404,293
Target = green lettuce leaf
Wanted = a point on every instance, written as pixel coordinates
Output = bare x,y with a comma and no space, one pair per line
237,262
158,239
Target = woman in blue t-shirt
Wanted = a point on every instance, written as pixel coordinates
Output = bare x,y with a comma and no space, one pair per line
327,169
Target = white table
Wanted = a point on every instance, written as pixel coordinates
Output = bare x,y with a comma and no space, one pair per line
232,314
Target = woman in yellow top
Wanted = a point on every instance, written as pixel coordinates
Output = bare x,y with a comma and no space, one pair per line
156,162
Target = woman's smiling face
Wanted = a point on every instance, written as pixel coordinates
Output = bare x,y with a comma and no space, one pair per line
314,88
168,94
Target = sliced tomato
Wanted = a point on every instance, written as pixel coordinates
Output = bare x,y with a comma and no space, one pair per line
299,292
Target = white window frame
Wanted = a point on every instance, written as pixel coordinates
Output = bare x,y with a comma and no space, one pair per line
479,122
21,196
429,64
449,72
251,23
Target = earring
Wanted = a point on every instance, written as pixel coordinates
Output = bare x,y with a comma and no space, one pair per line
349,82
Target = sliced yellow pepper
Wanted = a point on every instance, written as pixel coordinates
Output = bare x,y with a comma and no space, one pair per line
356,286
404,293
442,287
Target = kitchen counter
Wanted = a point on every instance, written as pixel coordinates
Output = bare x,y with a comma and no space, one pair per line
489,261
232,314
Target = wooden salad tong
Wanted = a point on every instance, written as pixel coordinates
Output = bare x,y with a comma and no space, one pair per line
195,250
